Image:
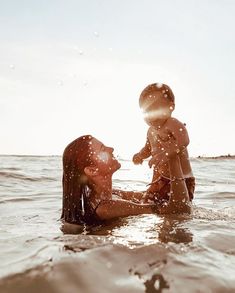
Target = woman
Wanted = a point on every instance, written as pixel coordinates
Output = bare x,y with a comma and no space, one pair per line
88,166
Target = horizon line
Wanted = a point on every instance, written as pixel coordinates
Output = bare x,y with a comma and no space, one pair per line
191,157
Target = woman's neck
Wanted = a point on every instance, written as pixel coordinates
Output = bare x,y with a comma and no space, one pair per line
102,186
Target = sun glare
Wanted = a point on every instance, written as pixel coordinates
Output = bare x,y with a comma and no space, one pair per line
156,114
141,230
103,156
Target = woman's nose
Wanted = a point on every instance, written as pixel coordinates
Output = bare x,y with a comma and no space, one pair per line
110,149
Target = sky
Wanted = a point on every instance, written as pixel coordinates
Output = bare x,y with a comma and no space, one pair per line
74,67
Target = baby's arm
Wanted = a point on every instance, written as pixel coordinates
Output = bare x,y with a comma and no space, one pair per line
177,143
180,135
144,153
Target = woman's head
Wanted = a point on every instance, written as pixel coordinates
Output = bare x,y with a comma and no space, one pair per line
103,163
84,159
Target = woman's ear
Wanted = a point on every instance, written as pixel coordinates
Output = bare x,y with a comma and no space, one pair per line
91,171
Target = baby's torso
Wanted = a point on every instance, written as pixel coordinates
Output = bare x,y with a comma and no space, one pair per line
156,139
156,136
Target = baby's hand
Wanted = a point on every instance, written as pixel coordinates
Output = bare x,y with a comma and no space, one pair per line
152,162
137,159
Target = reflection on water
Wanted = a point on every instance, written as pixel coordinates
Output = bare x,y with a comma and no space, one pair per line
139,230
156,284
134,231
173,230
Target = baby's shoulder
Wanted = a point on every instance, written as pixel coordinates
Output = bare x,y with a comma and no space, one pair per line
150,129
173,122
176,127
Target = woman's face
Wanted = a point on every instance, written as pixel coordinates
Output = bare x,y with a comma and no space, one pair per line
102,157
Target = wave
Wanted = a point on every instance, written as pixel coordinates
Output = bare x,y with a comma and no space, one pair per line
14,199
12,169
222,195
118,269
11,175
225,214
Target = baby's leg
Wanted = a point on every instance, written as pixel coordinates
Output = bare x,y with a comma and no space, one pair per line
190,183
158,189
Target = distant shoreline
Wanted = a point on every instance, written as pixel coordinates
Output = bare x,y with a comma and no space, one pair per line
217,157
228,156
40,156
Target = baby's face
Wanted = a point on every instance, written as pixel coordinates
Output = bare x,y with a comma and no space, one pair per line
155,107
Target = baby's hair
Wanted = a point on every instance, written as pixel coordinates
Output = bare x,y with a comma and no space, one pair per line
157,87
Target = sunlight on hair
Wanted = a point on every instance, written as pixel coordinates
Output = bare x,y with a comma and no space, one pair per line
159,85
156,114
149,100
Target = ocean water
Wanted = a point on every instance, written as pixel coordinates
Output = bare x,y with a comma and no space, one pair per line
146,253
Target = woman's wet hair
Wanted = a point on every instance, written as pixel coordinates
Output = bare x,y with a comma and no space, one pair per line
164,89
76,156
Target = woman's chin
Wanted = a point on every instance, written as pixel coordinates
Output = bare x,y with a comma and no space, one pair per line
118,165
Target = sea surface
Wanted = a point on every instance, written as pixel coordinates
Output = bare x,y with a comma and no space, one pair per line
146,253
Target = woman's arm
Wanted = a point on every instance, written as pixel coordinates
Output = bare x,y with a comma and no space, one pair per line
178,203
129,195
179,199
121,208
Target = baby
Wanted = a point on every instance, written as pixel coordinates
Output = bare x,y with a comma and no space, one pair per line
166,137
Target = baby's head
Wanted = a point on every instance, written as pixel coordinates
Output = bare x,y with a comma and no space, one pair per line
157,102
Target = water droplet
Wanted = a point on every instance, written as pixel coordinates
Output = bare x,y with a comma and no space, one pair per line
60,83
81,52
96,34
157,284
12,66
